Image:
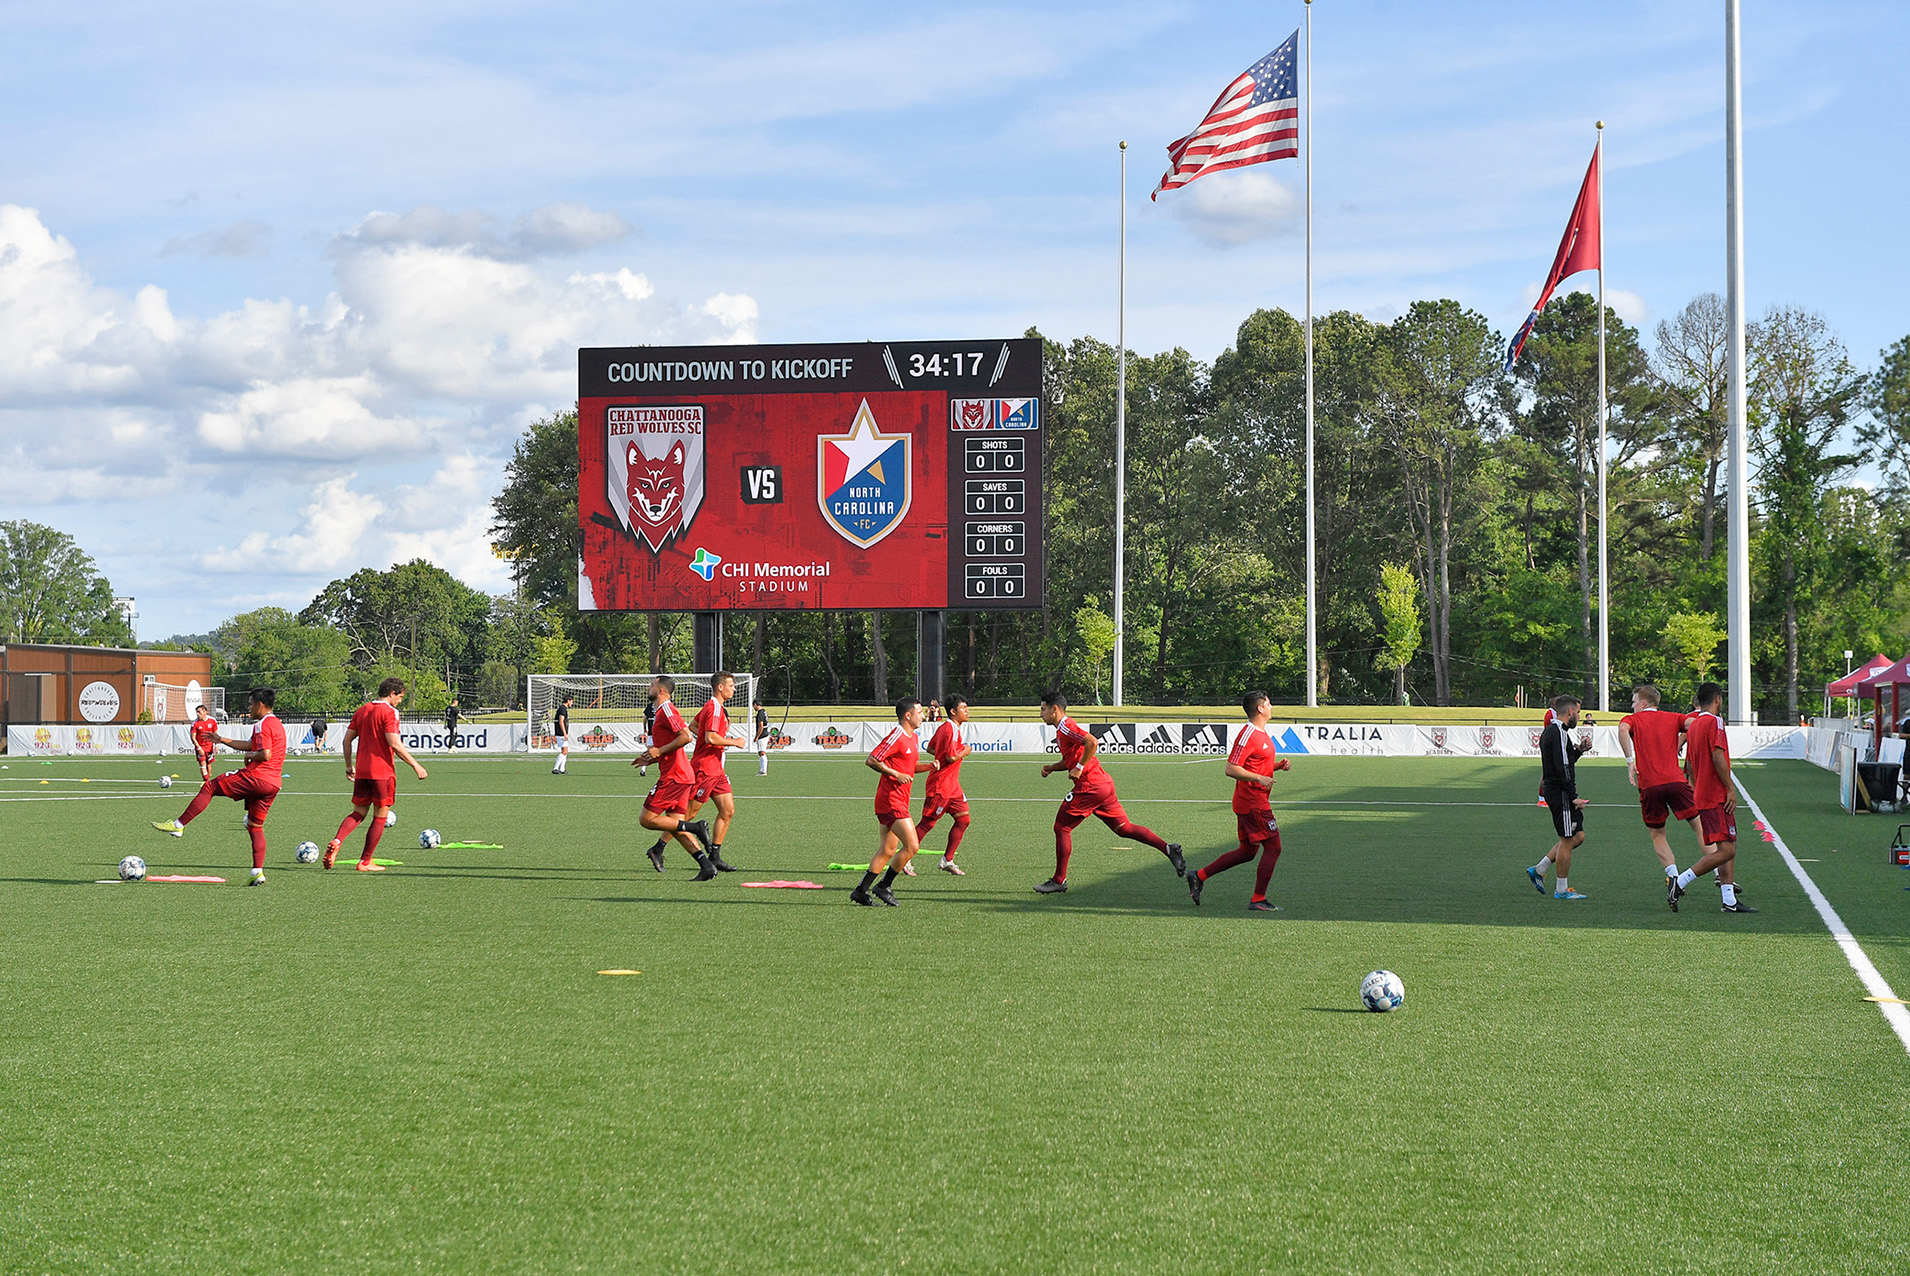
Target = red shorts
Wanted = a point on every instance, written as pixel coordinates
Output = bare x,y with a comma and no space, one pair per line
934,807
1717,827
241,786
710,784
1256,826
369,792
669,797
1082,802
886,815
1662,799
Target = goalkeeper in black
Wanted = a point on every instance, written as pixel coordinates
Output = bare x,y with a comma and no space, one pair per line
1559,752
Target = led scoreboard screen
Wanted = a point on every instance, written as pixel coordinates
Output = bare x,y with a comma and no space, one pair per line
869,475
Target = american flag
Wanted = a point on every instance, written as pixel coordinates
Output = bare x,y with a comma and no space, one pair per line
1256,118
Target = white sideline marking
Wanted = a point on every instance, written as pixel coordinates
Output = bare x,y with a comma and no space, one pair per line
1895,1013
412,795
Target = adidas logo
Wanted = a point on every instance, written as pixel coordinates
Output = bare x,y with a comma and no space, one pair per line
1161,739
1113,737
1203,739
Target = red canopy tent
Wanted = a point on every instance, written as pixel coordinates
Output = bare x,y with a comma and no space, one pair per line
1896,677
1847,685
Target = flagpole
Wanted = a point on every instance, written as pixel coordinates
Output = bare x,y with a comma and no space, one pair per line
1737,542
1120,439
1604,538
1312,626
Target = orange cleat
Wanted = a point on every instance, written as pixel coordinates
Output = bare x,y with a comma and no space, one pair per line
331,853
365,867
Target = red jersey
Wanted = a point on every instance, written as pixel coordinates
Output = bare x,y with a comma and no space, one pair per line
1253,751
707,757
1073,743
371,724
1654,743
899,750
1703,733
667,726
268,737
947,746
203,730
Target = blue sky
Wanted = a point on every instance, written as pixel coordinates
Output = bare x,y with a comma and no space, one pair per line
278,288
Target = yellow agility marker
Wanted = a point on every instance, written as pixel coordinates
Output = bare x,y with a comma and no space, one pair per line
620,972
1888,1001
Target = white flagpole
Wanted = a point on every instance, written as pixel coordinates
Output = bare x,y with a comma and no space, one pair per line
1604,572
1738,539
1120,439
1312,627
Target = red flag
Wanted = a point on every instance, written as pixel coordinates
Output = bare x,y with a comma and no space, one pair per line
1579,250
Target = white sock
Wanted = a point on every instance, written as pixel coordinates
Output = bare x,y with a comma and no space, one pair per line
1730,893
1686,878
258,872
1671,870
1562,887
1543,865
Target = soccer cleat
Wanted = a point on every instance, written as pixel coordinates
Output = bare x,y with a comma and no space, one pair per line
698,829
908,869
366,866
885,894
1739,907
722,865
331,853
172,828
257,879
656,857
950,866
1178,860
1193,887
705,871
1051,887
1673,893
860,896
1538,880
1263,906
1569,894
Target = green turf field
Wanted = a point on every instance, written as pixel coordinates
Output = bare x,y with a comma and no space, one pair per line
422,1071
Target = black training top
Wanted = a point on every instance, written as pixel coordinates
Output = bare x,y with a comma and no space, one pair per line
563,719
1559,753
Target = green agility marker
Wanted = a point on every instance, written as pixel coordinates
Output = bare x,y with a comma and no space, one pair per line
470,846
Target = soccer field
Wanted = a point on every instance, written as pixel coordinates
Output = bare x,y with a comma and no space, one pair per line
422,1071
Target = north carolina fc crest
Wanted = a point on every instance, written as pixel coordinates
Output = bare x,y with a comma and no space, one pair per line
862,479
653,469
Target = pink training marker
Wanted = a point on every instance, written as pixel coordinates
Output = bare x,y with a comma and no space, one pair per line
179,878
794,886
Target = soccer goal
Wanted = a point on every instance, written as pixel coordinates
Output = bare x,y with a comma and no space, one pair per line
164,702
610,699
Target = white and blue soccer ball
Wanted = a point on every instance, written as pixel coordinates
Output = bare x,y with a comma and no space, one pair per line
132,869
430,840
1382,991
165,781
391,818
307,853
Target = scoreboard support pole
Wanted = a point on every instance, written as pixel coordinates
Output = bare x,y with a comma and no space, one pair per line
931,656
707,638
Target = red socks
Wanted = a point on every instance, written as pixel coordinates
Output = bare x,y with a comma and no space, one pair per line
1264,874
1135,833
956,833
349,823
373,831
257,832
197,807
1063,849
1226,860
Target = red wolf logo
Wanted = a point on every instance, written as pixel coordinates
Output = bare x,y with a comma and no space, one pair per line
656,494
653,469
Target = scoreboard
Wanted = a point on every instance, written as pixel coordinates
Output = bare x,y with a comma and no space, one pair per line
904,474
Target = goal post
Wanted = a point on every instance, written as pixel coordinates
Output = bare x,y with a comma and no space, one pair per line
167,702
615,702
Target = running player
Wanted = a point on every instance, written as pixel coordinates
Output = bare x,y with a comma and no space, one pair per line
945,797
560,727
649,728
373,732
762,738
255,784
1251,766
664,810
205,739
1708,761
1093,794
1559,752
712,727
1651,738
898,760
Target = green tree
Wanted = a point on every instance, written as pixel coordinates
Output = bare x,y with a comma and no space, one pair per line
309,665
534,517
1399,623
51,591
1887,430
1694,637
414,616
1096,633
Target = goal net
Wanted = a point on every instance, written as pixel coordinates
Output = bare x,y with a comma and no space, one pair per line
164,702
611,705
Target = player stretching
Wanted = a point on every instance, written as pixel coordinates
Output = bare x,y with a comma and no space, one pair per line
1559,753
712,727
665,809
898,759
205,739
1651,738
1250,766
560,727
1093,794
373,733
256,784
945,796
1708,760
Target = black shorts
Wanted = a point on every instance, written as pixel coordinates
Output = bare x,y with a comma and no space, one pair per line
1567,819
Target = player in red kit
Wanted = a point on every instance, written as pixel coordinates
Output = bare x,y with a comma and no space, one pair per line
256,784
373,734
1251,765
666,808
1093,794
898,759
711,727
205,739
1651,738
1708,761
945,796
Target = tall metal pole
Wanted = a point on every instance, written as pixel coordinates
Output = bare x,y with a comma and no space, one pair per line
1604,538
1738,540
1312,624
1120,442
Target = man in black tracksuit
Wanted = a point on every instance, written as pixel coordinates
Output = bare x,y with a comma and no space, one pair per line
1559,752
451,716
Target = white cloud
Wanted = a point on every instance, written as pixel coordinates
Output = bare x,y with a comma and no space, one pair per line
243,238
552,230
1225,209
325,536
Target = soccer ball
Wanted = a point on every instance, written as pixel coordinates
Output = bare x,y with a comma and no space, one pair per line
132,869
391,818
429,839
307,853
165,781
1382,991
